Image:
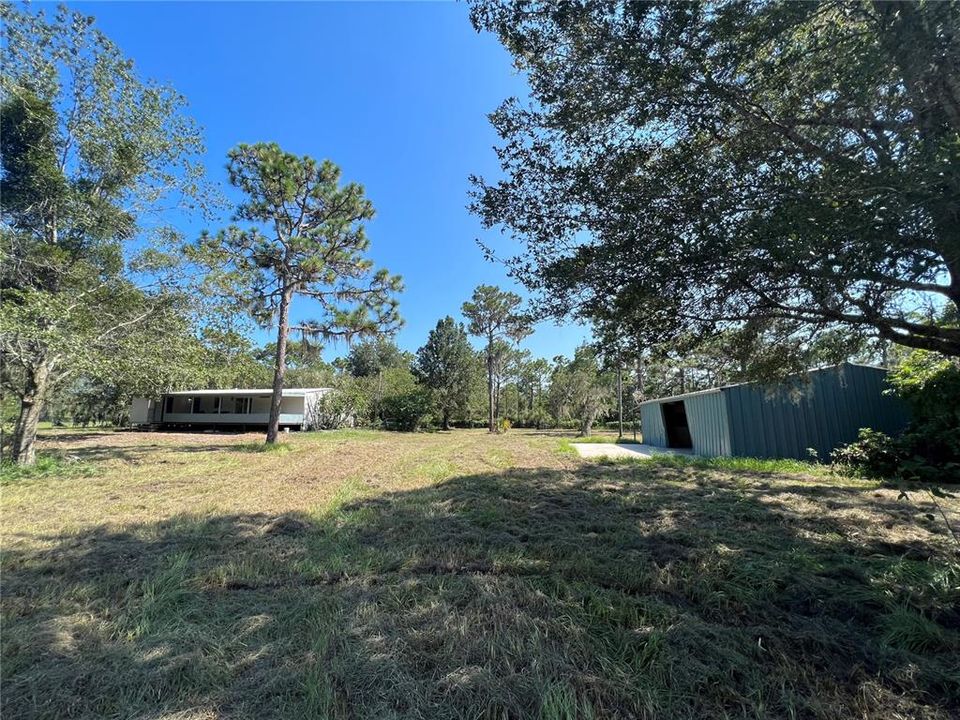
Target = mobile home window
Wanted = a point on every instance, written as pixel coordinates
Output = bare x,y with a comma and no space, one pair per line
243,405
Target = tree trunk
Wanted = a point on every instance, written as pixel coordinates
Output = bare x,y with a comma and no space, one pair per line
279,368
490,419
619,399
23,444
446,419
586,425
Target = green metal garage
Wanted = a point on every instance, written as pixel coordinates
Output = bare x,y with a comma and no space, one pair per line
820,409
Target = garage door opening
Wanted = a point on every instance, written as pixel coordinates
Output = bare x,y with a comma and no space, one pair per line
675,422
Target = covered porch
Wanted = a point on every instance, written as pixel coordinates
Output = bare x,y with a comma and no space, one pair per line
226,407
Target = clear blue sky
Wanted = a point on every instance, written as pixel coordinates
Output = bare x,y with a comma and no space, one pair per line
397,94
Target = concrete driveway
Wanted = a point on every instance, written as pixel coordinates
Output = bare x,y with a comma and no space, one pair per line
622,450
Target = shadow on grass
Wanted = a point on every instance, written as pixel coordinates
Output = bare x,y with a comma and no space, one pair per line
76,435
138,453
619,591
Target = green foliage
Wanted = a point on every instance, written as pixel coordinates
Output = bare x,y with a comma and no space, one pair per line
874,454
682,168
229,360
32,177
495,316
305,367
532,378
346,406
930,384
88,148
405,404
90,402
929,449
494,313
445,365
371,357
304,235
580,390
392,399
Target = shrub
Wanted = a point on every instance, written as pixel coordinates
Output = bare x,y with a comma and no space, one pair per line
874,454
407,410
344,407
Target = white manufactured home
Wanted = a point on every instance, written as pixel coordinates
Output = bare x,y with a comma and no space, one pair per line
239,408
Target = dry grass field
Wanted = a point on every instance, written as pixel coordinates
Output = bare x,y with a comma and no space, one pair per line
459,575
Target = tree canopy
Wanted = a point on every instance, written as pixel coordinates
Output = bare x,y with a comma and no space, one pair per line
681,168
374,355
580,389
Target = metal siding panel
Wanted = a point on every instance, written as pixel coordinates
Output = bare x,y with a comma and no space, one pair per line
835,406
793,403
735,414
865,405
725,415
799,433
806,433
739,421
767,434
773,408
745,420
809,421
823,413
651,425
821,418
758,428
794,434
707,419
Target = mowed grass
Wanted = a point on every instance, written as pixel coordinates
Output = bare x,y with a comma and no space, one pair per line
460,575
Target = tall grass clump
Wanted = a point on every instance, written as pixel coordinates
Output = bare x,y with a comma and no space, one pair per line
46,466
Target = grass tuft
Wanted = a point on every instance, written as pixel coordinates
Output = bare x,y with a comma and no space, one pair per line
560,702
905,628
744,464
264,447
46,466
